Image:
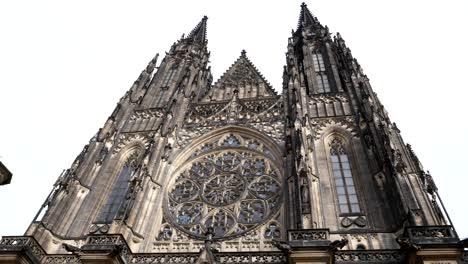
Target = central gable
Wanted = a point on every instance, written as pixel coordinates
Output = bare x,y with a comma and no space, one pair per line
241,78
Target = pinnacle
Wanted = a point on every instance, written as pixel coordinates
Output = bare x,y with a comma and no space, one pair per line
198,34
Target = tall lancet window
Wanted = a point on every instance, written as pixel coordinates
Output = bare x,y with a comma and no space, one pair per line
117,195
344,183
320,73
168,76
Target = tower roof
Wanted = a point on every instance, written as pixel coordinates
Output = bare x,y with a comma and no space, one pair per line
198,34
306,18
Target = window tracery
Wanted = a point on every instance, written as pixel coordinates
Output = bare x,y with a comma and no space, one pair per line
232,140
272,231
234,190
321,73
344,182
118,193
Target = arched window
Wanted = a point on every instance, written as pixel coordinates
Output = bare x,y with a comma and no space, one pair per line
168,76
320,73
344,183
117,195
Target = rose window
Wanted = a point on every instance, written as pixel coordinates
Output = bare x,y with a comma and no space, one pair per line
232,191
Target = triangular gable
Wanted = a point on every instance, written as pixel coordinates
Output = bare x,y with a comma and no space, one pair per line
244,79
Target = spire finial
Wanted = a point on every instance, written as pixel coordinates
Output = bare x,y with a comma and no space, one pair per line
243,53
306,18
198,34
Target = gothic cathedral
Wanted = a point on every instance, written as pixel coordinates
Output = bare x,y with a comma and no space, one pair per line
187,171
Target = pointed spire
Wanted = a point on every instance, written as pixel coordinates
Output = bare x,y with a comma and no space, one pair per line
198,34
306,18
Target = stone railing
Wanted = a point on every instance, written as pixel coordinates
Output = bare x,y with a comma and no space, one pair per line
62,259
162,258
251,257
26,245
432,234
308,235
369,256
116,245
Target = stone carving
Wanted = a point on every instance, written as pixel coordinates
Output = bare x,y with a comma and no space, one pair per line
275,130
127,138
233,140
105,240
348,221
99,229
147,113
329,106
243,72
308,235
304,192
318,126
79,159
165,234
187,134
272,231
102,155
236,111
145,120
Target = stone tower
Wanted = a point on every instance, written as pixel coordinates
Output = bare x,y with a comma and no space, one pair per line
186,171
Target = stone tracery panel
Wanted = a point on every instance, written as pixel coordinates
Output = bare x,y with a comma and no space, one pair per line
230,184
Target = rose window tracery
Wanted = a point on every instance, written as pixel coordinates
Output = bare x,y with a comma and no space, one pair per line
231,190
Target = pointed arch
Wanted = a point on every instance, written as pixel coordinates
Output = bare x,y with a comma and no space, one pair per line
245,136
323,83
128,166
340,161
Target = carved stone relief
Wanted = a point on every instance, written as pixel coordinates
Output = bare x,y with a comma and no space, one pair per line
127,138
319,125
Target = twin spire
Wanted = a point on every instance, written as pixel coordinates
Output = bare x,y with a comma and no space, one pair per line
198,34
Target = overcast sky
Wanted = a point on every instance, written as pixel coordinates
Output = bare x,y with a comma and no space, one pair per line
65,64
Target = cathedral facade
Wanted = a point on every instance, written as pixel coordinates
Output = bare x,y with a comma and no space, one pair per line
185,170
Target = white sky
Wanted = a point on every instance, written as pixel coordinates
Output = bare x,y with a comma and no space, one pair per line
65,64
